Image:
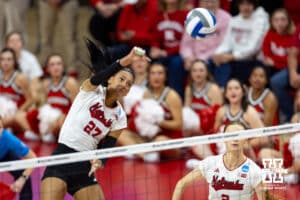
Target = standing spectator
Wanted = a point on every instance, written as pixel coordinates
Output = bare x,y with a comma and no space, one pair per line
236,55
134,27
13,149
191,49
65,12
103,24
168,29
28,63
277,41
286,79
12,17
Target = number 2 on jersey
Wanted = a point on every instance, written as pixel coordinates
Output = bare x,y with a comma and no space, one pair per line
92,129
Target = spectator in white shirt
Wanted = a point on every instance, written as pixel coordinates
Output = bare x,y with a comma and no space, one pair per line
236,56
28,62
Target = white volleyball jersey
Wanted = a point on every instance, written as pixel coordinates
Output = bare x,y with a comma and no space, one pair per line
89,120
237,184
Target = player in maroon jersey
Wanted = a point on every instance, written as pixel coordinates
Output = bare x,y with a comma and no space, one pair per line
59,92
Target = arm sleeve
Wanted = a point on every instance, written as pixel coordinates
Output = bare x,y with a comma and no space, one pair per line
102,76
108,142
15,145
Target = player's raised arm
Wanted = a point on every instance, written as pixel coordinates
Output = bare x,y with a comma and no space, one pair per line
101,76
184,182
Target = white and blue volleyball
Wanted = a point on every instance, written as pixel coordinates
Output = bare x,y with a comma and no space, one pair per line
200,22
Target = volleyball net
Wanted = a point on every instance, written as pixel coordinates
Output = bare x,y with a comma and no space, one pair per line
123,178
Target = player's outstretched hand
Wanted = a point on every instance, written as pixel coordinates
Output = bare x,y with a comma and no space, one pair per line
95,164
18,185
136,53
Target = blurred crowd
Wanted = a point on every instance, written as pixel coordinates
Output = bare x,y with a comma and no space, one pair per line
248,70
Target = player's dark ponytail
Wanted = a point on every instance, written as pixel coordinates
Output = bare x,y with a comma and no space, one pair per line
101,64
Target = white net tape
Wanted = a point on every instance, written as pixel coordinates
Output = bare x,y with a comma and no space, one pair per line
147,147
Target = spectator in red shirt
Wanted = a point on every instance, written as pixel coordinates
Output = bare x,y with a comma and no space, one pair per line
293,8
103,23
277,41
236,55
135,23
168,29
134,27
289,78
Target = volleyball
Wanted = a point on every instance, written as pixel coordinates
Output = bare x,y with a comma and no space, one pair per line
200,22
